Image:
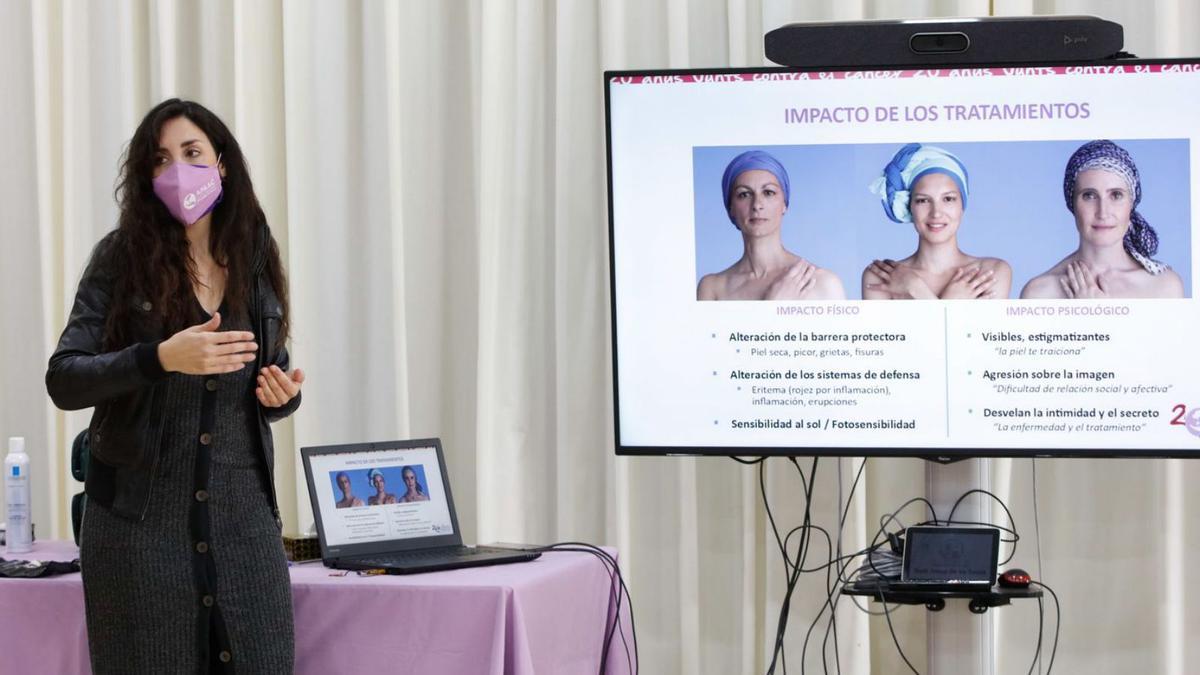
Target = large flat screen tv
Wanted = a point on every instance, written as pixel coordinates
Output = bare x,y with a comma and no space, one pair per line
950,262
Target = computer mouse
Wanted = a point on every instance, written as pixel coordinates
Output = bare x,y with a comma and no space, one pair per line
1015,578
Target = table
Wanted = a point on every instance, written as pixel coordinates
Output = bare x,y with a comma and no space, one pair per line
544,616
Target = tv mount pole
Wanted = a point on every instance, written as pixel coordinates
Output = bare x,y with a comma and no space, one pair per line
955,643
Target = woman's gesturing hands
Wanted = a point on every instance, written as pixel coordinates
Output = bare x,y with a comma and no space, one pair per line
276,388
202,350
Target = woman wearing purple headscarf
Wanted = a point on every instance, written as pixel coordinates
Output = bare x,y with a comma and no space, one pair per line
1103,189
756,189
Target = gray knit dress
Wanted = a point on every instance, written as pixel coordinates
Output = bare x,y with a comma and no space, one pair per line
201,584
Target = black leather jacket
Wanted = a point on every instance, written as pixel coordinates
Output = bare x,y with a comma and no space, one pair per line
126,386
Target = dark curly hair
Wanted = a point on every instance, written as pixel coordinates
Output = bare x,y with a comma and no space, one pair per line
150,249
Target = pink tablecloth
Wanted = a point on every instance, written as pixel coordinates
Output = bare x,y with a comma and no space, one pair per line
545,616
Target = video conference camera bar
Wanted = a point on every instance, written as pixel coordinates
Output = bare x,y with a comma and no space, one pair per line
923,42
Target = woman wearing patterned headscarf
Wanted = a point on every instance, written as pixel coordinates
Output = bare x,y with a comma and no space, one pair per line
928,187
757,190
1116,244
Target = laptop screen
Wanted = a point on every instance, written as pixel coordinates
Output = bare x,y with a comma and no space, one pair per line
951,554
380,494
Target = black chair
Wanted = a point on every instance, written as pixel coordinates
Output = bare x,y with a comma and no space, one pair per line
80,453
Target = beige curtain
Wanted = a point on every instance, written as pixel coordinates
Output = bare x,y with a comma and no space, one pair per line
435,173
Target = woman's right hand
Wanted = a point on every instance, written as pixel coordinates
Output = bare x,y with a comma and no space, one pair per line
202,350
969,283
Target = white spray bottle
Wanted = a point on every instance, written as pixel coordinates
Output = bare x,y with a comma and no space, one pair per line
19,535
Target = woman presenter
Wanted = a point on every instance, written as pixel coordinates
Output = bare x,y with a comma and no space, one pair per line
176,338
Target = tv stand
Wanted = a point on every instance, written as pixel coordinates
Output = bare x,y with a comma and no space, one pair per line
979,602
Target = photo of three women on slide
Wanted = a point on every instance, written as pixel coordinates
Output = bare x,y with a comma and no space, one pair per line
928,187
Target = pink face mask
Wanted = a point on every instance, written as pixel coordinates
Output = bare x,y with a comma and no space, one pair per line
189,190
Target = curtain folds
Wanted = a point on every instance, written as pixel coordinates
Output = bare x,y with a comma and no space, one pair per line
435,175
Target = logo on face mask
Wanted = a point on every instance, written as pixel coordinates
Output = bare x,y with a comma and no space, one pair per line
189,202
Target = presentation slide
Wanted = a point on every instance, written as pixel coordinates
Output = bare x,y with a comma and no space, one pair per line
368,497
997,259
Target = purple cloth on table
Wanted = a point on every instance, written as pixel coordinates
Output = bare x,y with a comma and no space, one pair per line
544,616
42,629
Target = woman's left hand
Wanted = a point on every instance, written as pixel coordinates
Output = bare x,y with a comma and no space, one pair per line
276,388
1081,283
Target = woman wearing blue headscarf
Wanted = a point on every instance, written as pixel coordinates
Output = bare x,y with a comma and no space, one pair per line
928,187
381,496
1102,188
757,190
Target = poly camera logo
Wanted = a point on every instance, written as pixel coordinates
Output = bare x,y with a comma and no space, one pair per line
189,202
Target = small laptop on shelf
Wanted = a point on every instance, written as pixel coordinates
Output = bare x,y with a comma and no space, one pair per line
948,559
388,506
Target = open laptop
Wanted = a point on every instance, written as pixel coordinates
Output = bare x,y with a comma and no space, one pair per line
388,506
949,559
